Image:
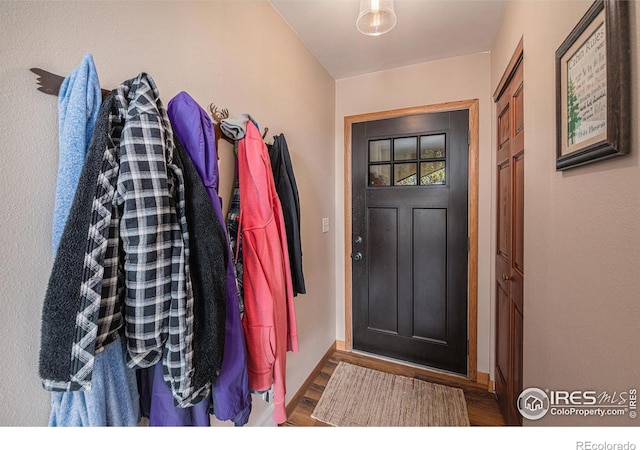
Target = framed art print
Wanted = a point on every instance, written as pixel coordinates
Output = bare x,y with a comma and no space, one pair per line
593,87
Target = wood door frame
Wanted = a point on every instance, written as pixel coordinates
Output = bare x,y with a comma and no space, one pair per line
510,70
472,261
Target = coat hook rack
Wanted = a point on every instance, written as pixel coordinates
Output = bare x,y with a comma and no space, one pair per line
217,115
50,83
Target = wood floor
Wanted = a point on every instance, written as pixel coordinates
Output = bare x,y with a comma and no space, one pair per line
481,404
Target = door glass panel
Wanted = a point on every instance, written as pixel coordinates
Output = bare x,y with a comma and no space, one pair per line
405,174
432,146
432,173
380,150
380,175
405,148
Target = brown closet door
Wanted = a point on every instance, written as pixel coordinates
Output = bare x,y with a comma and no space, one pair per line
509,245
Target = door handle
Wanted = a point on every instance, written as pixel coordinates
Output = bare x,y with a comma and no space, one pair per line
506,278
358,240
357,256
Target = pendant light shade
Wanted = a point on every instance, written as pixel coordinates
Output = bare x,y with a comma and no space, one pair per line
376,17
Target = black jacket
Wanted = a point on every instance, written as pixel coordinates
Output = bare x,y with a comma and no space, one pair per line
287,190
208,267
62,300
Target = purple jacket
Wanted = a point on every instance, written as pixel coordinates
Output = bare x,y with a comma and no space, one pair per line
230,396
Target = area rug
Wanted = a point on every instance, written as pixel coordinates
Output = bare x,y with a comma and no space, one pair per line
360,397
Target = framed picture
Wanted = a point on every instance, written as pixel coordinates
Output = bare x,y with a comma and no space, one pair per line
593,87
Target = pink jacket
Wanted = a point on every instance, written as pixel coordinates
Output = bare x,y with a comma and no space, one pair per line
269,319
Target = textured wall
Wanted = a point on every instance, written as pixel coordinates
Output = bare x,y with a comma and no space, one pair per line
238,55
582,250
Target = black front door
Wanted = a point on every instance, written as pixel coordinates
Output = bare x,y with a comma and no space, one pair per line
410,238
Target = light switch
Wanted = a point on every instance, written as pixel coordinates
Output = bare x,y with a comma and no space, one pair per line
325,224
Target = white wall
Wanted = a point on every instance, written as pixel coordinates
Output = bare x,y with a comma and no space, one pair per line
238,55
582,227
462,78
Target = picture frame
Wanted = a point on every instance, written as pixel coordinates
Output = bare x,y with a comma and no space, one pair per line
593,81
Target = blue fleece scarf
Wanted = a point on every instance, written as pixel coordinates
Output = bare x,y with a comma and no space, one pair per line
113,399
79,102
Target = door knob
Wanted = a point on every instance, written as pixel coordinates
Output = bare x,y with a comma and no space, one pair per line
357,256
506,277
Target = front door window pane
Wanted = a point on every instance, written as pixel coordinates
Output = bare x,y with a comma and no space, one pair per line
405,148
380,150
380,175
432,173
432,147
405,174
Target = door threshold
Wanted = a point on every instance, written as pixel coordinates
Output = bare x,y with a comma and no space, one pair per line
425,369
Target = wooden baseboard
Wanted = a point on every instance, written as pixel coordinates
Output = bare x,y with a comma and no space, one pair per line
300,392
485,380
340,345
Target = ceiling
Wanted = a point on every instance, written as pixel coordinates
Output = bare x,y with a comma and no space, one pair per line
425,30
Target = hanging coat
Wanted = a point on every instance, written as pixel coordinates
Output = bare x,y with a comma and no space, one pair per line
113,398
231,397
208,262
235,129
235,239
139,203
287,189
63,300
269,319
208,255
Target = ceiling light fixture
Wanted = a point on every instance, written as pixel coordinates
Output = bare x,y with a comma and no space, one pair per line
376,17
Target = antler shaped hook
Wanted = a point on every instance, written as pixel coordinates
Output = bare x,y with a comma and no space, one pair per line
218,114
